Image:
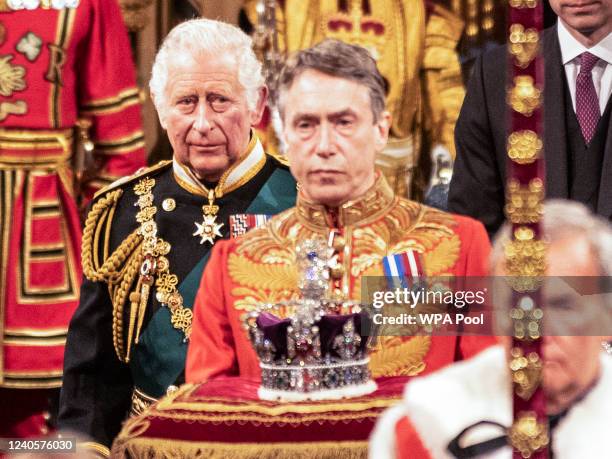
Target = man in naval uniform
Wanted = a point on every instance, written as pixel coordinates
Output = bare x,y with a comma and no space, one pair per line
332,145
443,413
147,238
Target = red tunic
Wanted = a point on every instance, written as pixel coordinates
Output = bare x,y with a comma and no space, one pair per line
56,66
409,443
259,268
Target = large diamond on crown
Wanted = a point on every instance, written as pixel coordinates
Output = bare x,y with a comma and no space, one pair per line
312,348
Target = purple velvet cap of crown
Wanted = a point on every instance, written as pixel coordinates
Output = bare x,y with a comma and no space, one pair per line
330,326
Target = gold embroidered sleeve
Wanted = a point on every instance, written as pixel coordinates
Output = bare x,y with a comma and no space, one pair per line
443,79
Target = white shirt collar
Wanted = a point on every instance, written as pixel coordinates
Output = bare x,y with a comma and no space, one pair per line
572,48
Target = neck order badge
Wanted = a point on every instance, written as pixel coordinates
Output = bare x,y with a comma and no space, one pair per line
233,178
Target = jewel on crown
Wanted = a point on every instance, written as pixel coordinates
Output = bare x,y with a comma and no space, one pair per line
311,348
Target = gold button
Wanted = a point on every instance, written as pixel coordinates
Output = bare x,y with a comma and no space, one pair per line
169,204
171,389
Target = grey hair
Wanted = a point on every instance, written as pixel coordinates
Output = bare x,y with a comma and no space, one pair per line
338,59
196,36
561,218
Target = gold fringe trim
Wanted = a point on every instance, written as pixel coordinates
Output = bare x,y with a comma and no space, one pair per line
167,448
93,447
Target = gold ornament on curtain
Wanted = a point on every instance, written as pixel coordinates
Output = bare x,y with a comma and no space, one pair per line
471,29
479,17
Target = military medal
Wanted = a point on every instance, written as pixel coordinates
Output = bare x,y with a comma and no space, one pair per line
209,229
403,270
241,223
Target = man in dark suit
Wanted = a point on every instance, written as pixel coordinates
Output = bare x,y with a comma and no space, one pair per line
577,121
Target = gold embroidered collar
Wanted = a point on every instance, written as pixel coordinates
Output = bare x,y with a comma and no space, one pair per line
374,203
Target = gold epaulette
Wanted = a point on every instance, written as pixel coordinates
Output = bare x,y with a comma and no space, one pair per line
98,264
135,176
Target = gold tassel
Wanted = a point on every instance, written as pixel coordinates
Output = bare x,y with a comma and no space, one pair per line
144,298
134,306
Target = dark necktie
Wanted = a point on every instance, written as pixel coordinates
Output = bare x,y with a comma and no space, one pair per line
587,102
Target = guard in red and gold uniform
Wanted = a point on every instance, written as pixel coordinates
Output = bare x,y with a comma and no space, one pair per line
59,69
332,145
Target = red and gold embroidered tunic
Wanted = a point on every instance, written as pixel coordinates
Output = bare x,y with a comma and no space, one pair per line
260,268
56,66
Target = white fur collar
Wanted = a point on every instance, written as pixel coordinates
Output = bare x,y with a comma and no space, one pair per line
442,404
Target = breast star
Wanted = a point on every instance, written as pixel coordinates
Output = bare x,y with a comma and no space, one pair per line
208,230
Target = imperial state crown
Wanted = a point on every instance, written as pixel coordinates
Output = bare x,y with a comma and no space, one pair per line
313,347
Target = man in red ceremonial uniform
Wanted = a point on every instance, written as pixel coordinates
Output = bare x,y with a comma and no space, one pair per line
59,67
333,106
464,410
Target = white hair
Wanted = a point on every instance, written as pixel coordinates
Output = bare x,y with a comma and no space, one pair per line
194,37
561,218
